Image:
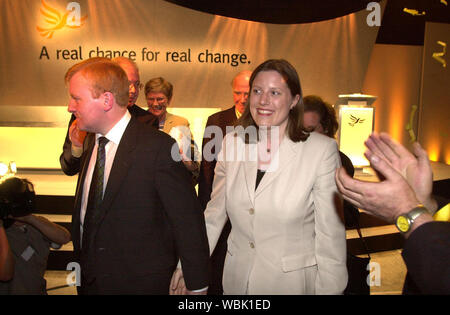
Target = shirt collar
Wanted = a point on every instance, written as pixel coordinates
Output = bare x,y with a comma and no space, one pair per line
115,134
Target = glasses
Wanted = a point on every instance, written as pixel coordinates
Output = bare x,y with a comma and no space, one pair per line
161,103
160,100
136,85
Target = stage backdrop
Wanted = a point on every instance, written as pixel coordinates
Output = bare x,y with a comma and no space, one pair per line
198,52
434,117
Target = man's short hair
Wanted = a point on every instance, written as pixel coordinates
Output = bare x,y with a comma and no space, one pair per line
103,76
124,61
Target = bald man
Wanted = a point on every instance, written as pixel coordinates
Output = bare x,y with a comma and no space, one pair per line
240,87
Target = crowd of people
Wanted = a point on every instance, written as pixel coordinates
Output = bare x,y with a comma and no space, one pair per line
274,195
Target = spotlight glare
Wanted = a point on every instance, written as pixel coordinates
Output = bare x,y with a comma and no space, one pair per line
3,169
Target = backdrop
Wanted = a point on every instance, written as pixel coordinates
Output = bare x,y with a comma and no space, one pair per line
198,52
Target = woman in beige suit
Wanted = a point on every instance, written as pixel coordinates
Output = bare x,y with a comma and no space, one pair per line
276,185
158,94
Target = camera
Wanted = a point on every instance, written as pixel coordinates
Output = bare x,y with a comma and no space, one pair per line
17,198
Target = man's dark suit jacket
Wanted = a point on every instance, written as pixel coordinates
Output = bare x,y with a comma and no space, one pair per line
426,254
149,217
70,165
221,119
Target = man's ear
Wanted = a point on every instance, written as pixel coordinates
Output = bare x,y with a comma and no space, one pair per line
108,101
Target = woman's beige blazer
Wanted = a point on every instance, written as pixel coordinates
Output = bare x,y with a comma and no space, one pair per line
287,236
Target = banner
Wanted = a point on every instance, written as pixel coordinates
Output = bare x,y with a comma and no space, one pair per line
198,53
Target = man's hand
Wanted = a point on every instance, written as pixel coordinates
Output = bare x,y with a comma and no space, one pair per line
178,286
386,199
76,136
415,168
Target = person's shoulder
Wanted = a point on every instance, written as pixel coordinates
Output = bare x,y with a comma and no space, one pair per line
316,137
137,111
223,113
318,140
178,120
148,133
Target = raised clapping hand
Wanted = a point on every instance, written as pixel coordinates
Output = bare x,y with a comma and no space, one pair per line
416,169
178,286
386,199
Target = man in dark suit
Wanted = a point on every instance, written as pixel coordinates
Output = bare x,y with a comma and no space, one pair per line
72,148
128,229
240,85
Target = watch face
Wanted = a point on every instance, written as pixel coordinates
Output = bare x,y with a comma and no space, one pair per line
402,224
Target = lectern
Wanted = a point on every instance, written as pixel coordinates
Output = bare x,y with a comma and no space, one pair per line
356,121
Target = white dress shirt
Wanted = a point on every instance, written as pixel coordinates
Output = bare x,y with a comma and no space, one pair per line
114,136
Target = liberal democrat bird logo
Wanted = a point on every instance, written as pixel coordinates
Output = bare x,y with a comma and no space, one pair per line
71,18
355,120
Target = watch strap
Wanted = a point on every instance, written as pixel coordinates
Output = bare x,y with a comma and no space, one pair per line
416,212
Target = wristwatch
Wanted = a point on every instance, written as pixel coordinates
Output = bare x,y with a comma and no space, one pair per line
405,221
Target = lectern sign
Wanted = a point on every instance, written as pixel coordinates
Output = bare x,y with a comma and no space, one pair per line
356,125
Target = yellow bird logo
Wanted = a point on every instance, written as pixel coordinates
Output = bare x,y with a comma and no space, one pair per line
355,120
57,21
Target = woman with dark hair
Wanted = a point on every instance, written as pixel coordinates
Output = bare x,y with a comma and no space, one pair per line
276,185
319,116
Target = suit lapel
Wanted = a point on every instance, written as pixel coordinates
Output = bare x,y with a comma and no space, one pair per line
287,152
250,169
168,123
250,166
230,116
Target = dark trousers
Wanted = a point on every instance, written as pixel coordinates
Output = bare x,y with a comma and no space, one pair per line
217,262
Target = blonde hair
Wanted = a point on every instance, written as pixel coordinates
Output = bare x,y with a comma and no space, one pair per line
103,76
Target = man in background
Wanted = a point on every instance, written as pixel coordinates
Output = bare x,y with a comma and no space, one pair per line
222,119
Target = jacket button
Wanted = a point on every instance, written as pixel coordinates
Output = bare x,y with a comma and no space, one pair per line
252,245
251,211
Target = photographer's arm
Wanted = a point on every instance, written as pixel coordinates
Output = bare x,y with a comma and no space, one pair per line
52,231
6,257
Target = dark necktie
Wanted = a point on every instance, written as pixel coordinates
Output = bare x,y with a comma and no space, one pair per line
95,197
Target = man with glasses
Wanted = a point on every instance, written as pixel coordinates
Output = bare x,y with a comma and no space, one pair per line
73,145
158,93
132,72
